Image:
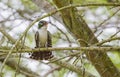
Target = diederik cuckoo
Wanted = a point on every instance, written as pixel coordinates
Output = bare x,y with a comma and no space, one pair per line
42,40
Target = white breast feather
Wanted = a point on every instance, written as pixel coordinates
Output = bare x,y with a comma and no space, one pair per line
42,37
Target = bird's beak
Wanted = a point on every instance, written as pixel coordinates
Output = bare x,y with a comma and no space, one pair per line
46,24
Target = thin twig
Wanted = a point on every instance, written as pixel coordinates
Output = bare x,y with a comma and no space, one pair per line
108,40
108,18
52,70
7,35
71,67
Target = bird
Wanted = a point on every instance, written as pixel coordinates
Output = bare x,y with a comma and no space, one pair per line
43,39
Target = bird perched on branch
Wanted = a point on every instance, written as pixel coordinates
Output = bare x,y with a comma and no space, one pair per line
42,40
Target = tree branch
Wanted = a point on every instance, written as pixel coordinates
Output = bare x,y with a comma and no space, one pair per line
82,49
108,40
71,67
7,35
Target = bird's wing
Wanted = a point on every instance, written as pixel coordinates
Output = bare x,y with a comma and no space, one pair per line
37,39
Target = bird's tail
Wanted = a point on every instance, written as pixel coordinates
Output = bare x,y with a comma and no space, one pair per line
41,55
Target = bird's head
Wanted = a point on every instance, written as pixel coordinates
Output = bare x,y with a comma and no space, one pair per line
42,23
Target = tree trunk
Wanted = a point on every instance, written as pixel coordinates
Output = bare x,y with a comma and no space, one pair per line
80,30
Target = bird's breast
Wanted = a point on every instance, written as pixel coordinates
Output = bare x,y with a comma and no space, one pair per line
43,37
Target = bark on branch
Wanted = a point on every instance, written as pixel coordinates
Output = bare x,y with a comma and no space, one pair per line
58,49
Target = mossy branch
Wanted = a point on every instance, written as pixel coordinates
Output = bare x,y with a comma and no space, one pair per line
59,49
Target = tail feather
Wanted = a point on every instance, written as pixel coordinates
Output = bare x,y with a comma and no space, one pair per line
41,55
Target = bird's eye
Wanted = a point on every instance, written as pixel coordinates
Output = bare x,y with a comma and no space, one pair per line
40,24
